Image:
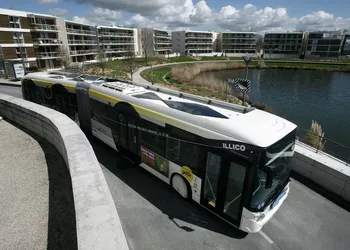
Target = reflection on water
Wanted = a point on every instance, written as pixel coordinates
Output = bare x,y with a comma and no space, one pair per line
301,96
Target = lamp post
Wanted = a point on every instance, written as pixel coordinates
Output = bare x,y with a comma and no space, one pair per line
247,60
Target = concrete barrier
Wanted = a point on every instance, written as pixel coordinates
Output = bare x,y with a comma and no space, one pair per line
323,169
97,221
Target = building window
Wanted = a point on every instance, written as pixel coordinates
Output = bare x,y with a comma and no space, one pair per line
14,22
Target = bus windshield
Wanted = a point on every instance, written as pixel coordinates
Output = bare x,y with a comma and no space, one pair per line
278,158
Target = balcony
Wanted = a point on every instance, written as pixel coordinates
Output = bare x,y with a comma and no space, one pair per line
44,27
82,52
199,42
43,55
47,42
80,31
94,42
190,36
117,42
114,34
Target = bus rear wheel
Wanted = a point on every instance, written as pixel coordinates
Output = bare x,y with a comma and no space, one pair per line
181,186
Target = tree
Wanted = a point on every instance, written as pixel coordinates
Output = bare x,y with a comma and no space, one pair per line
63,54
130,63
146,43
259,43
101,59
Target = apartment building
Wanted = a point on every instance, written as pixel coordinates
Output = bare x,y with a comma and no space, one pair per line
193,42
283,45
117,42
238,43
155,41
79,41
46,42
15,37
346,45
323,45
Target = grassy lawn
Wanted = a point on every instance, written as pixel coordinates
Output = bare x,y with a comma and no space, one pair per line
117,69
159,75
181,59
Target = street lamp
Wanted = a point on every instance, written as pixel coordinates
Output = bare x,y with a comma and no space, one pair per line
247,60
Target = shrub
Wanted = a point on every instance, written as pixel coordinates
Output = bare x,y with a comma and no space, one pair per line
186,72
263,106
315,136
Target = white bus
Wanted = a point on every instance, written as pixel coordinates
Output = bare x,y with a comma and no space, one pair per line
232,160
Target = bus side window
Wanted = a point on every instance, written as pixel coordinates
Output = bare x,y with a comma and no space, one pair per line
183,150
152,138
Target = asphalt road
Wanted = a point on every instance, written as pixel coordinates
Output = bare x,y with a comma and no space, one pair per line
154,217
9,90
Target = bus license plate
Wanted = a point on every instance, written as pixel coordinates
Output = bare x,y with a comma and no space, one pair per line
279,198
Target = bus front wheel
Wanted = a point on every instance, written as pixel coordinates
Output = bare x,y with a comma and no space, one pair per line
181,186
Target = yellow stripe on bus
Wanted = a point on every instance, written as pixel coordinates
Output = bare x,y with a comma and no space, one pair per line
47,83
69,87
144,111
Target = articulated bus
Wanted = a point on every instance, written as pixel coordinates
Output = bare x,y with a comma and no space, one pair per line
232,160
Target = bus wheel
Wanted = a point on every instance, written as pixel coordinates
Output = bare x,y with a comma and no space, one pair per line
181,186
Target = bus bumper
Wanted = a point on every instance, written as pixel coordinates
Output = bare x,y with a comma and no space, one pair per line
252,222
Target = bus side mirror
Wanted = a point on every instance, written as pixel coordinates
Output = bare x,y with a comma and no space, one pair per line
269,178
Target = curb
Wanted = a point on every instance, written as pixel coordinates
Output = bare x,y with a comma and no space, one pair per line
97,221
18,85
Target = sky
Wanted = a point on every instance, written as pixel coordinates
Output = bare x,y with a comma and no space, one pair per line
221,15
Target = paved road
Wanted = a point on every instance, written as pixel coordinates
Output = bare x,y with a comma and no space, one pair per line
9,90
155,217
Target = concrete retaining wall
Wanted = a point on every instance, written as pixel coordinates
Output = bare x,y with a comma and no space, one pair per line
97,220
324,170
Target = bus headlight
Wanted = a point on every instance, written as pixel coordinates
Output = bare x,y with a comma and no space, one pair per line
259,216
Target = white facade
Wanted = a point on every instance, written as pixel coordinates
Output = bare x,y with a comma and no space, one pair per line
155,42
118,42
323,45
283,45
196,43
81,41
238,43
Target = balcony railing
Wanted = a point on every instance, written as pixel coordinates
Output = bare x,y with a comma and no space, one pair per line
82,52
47,41
199,48
119,49
106,33
117,42
82,42
188,36
37,26
47,54
79,31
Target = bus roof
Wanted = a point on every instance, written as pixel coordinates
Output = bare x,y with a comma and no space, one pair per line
232,122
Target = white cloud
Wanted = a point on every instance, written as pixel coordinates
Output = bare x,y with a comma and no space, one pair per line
176,14
47,1
135,6
100,16
321,20
251,18
201,13
58,11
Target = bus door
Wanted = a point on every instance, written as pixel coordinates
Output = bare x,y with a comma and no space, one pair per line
128,133
224,179
133,135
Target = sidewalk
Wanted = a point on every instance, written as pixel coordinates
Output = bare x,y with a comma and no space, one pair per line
37,207
10,82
